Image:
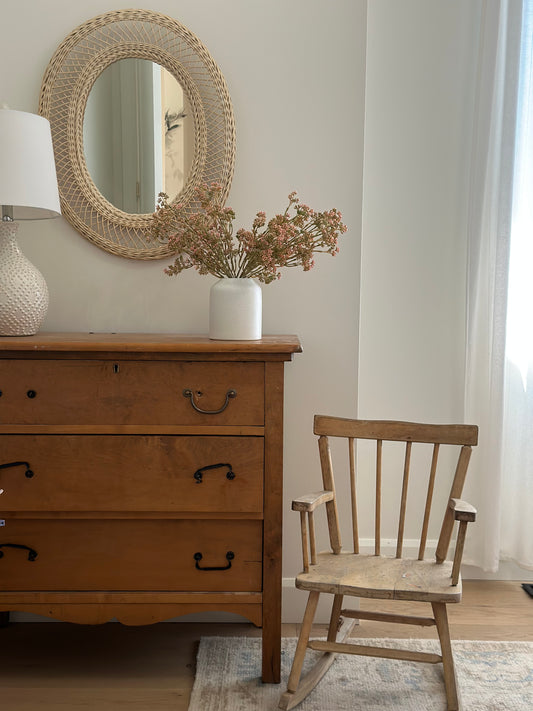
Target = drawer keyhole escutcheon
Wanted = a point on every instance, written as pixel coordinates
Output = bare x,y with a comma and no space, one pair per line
116,368
230,555
28,473
198,474
229,395
32,554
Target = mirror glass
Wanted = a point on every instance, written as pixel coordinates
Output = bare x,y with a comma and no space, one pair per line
138,137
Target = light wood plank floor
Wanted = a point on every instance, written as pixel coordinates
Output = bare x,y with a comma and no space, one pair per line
61,667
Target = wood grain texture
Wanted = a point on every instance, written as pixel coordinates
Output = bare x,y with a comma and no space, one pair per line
309,502
131,555
381,578
132,473
429,500
368,651
109,392
450,682
455,493
329,485
273,516
138,613
463,511
113,507
145,429
151,343
395,431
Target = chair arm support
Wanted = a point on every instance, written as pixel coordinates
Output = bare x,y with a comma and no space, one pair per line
463,511
309,502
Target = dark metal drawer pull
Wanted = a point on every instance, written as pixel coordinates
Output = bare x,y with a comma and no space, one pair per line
28,473
32,554
31,394
230,555
199,472
230,394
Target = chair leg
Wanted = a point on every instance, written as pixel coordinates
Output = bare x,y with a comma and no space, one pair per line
299,687
303,639
450,682
335,617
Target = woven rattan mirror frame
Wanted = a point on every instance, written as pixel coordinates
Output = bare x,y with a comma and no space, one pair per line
69,77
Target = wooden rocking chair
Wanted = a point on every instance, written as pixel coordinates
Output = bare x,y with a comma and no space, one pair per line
374,576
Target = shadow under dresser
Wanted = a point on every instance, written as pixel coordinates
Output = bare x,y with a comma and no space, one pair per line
142,478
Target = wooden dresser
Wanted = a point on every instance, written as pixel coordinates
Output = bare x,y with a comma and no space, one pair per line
142,478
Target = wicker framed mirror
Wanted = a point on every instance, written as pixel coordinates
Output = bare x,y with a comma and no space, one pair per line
81,60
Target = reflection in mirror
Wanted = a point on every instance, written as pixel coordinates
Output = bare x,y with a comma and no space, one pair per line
138,136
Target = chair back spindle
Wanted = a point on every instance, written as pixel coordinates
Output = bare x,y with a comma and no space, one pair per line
403,503
353,495
382,432
329,485
377,524
429,499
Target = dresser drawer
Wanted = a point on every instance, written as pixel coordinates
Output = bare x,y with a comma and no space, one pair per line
93,392
131,473
131,555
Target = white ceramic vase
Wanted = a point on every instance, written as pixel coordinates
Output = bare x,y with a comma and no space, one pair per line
23,290
235,310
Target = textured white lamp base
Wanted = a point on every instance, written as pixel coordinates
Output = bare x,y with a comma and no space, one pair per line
23,290
235,310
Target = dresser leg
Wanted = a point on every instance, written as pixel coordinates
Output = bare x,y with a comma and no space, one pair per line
271,653
4,619
272,523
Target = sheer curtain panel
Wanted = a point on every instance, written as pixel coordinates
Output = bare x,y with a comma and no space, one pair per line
517,451
489,230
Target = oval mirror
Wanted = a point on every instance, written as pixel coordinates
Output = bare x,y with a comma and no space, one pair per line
110,170
138,138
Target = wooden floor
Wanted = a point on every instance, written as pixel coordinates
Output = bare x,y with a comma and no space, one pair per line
62,667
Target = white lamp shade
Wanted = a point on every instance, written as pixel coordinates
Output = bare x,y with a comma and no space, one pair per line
27,168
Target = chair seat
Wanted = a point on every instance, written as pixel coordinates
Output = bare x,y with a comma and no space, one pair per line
381,577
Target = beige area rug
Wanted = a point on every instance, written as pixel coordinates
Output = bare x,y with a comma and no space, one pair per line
493,676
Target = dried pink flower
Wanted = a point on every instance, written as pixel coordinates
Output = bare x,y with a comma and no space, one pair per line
205,241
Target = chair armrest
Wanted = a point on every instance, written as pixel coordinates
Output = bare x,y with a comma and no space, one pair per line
309,502
463,511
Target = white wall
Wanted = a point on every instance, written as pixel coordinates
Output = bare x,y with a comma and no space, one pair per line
295,72
420,72
421,57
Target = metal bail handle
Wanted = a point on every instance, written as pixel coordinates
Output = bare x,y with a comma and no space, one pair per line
198,474
230,394
230,555
32,554
28,473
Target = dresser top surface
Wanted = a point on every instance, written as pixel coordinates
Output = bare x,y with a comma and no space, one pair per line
147,343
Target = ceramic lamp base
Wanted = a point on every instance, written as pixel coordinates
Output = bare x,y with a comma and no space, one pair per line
23,290
235,310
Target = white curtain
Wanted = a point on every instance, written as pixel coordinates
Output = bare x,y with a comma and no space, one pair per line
489,229
517,451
